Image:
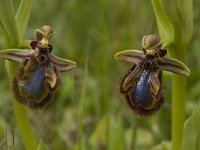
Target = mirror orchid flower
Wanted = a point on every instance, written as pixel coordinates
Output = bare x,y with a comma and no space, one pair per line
142,85
37,77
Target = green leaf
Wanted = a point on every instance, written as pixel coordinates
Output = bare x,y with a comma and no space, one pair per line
42,146
99,136
8,23
164,145
116,133
22,16
175,20
192,131
164,25
25,44
187,11
180,14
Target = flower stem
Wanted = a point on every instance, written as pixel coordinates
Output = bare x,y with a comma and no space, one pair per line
27,134
178,98
178,110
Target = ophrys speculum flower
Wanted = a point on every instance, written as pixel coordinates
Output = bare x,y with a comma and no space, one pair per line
142,85
38,75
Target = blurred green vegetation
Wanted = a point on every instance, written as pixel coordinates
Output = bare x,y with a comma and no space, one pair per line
88,112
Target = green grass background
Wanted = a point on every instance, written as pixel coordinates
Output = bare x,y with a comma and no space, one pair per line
88,112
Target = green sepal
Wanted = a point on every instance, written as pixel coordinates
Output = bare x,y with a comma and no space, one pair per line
151,41
173,65
44,31
130,56
17,55
61,63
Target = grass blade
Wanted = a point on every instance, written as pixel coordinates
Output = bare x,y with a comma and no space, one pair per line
8,23
22,16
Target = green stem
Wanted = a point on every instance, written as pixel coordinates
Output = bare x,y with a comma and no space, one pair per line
178,99
27,134
134,134
81,116
178,110
82,106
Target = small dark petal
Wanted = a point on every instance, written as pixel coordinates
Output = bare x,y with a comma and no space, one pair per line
144,50
50,48
162,52
33,44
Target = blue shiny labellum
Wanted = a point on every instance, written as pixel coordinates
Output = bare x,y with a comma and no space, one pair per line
142,87
142,94
31,87
35,84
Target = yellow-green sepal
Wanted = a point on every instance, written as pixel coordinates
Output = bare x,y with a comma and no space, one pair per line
130,56
17,55
62,64
173,65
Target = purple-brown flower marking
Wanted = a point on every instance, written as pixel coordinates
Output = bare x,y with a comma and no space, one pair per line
142,85
38,75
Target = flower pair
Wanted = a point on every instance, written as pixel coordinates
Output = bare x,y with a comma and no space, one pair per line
38,76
